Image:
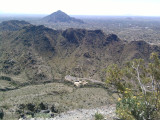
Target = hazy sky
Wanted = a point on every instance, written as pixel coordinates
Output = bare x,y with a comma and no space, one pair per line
82,7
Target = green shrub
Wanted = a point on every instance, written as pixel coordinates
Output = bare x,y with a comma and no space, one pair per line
141,100
98,116
5,78
1,114
134,108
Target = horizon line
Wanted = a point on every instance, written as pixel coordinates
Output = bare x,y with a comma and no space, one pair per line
125,15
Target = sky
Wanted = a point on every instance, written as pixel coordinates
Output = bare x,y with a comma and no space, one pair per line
82,7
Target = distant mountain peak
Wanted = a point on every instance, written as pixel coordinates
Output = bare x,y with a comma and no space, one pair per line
60,16
59,11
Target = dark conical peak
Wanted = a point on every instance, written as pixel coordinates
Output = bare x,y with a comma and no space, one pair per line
60,16
59,11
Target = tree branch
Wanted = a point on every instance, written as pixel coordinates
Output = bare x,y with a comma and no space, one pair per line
138,78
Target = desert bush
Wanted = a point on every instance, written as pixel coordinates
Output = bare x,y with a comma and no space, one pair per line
1,114
5,78
30,107
36,110
43,106
138,87
98,116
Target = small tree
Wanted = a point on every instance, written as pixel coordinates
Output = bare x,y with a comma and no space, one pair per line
138,86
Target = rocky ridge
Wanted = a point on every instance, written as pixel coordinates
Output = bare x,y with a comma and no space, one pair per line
44,54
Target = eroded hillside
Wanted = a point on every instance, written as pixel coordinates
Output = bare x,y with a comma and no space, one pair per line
41,54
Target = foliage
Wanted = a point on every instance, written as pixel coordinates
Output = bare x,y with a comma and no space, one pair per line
138,87
98,116
1,114
37,110
5,78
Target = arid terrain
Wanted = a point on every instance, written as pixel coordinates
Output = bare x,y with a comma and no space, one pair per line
60,66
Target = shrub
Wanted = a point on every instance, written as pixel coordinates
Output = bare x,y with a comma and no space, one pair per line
43,106
1,114
98,116
141,100
30,107
5,78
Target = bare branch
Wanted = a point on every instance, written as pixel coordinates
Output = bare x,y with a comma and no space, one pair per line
153,83
138,78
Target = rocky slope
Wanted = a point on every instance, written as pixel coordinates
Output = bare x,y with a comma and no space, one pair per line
13,25
42,54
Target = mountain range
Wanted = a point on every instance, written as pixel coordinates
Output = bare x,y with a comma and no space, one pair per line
39,54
